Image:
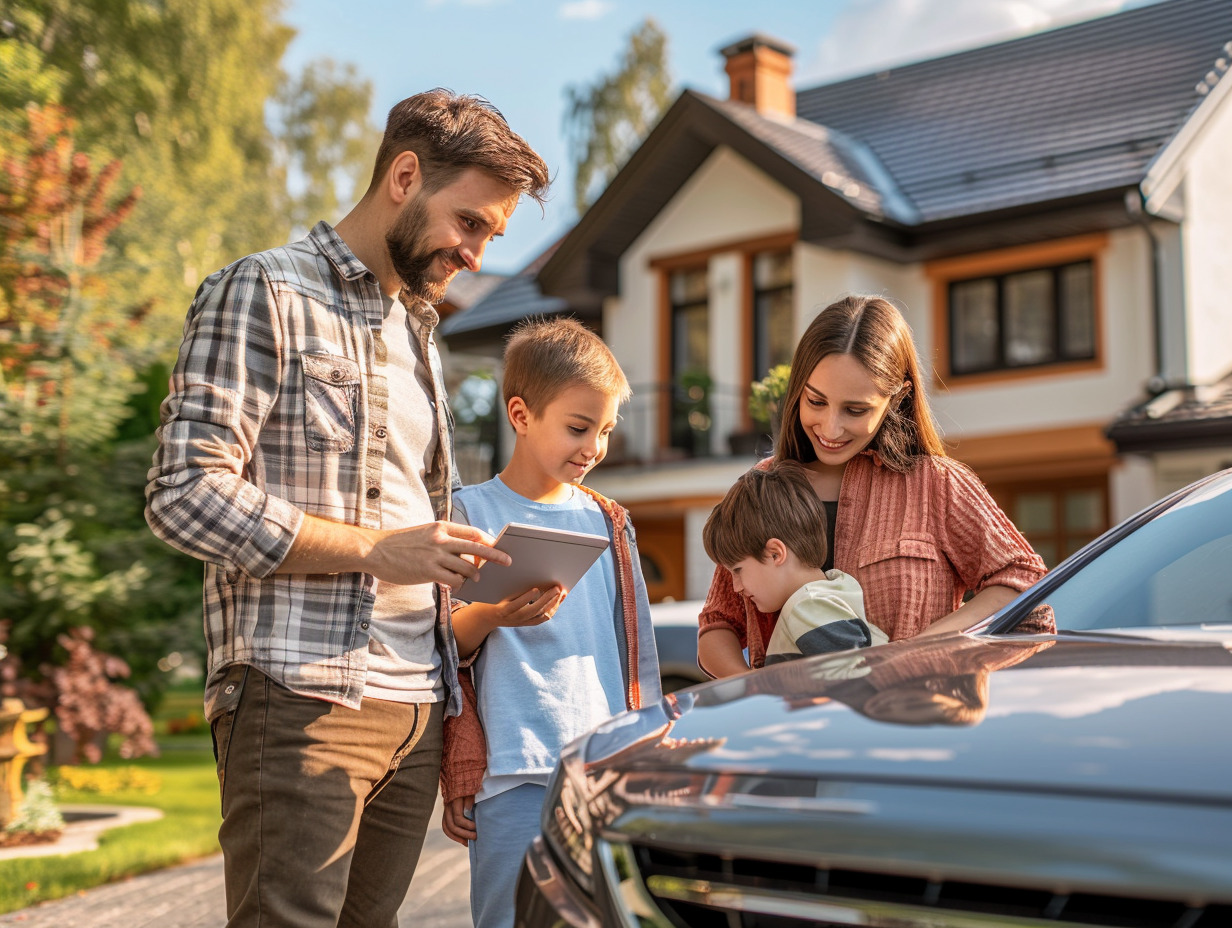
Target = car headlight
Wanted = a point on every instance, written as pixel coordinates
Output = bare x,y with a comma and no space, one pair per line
566,820
579,806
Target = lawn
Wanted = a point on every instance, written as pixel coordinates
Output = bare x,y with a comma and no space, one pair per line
188,796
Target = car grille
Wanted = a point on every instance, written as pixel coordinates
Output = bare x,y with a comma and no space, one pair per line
709,891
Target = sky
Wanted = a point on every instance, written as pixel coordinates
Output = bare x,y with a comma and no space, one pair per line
523,54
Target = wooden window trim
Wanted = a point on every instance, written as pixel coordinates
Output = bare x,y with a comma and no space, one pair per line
1043,454
946,271
665,265
779,241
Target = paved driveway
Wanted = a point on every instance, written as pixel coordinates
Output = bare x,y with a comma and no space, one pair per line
191,896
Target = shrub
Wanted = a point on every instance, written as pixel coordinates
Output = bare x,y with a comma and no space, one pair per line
107,780
38,814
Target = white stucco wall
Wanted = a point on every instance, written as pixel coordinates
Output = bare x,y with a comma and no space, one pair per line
1207,234
824,276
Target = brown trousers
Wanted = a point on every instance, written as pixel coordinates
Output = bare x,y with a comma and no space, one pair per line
324,808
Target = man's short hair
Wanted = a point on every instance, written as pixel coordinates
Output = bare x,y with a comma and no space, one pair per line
773,502
451,132
546,356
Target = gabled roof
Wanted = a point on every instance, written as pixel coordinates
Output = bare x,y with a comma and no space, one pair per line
1074,110
514,298
813,163
1024,140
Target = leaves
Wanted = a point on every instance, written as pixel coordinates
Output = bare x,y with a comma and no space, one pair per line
607,120
325,141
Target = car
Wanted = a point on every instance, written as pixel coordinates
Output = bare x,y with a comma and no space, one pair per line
1065,762
675,631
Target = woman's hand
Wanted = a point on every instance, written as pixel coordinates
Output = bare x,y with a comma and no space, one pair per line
473,622
980,606
457,820
719,653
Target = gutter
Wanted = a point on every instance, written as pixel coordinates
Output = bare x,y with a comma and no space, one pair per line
1136,206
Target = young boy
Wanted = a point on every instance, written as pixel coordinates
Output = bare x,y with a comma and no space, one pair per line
552,666
769,531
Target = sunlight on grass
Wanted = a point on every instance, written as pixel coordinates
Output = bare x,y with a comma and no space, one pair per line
188,830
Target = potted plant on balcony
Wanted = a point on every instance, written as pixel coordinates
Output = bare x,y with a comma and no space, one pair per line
765,395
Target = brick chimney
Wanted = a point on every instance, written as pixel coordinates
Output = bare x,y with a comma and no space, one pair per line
760,70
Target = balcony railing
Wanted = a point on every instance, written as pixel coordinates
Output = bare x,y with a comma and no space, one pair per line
660,423
672,422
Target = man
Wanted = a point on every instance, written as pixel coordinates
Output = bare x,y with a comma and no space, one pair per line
305,455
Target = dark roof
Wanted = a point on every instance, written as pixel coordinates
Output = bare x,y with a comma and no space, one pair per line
514,298
469,287
1035,138
1182,417
1073,110
831,157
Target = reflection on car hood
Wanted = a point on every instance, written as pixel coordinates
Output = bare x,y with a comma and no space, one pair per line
1132,717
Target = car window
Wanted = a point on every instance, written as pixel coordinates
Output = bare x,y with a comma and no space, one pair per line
1175,569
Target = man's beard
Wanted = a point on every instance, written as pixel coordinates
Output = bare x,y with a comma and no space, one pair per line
410,255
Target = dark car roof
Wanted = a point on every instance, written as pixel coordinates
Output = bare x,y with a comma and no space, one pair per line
1044,713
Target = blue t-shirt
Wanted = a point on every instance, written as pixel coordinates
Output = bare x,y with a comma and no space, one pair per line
542,686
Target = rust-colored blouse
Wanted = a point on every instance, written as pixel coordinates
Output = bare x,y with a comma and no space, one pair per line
916,542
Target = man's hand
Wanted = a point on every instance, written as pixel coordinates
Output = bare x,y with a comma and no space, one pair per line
457,821
438,552
473,622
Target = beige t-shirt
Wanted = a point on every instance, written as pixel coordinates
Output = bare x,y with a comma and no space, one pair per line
403,662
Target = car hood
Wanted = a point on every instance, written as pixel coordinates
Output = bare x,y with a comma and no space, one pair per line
1101,716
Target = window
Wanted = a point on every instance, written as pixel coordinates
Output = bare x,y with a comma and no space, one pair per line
1022,319
690,359
1059,517
773,329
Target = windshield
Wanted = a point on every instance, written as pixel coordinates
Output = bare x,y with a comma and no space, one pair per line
1174,570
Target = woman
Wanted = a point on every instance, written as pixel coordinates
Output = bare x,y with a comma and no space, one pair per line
916,528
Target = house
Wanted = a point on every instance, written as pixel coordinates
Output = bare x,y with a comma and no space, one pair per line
1051,213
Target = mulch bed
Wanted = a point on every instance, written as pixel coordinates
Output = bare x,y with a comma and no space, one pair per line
24,838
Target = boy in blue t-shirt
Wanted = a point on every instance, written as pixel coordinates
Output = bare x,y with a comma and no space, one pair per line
552,666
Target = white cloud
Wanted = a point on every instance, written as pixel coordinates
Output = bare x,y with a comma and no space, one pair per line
873,34
1074,692
585,9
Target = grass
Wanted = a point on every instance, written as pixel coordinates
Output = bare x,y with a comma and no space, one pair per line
188,829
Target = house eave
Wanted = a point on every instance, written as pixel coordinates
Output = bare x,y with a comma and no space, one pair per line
1157,437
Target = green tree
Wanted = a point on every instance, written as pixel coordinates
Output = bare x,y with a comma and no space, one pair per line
325,143
607,120
173,94
75,557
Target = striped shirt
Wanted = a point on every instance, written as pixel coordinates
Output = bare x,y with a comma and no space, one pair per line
916,542
276,409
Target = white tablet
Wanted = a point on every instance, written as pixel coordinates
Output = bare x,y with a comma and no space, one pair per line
542,557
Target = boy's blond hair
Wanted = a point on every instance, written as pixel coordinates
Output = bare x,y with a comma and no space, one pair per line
775,502
545,356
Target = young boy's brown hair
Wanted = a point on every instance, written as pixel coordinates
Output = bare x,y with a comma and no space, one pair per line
547,355
773,502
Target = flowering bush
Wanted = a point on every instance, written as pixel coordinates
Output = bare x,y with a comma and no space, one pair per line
37,816
107,781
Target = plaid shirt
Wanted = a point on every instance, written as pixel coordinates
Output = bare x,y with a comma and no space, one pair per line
276,409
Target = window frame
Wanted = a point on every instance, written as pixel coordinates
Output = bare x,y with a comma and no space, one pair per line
664,264
1002,263
757,294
